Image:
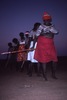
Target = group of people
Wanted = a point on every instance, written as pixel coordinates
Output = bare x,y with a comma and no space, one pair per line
17,56
37,46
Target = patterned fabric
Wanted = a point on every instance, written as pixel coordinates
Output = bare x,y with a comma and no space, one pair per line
45,50
22,56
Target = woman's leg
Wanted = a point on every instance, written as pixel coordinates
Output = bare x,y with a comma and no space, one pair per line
43,66
30,69
38,69
54,67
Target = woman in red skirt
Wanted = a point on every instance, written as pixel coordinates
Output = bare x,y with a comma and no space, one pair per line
45,51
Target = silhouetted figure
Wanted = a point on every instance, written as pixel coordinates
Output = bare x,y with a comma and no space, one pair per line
10,49
15,48
26,47
9,56
27,39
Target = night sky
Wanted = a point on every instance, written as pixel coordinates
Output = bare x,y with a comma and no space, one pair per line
19,16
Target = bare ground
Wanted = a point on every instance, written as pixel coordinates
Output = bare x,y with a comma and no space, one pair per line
19,86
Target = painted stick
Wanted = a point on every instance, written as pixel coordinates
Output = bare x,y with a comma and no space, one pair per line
17,51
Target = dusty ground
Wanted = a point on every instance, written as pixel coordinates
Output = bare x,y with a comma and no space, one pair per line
18,86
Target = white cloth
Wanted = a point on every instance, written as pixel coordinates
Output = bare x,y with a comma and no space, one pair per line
30,56
22,42
46,29
33,33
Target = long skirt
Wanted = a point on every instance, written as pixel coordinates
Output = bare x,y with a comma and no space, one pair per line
45,50
30,56
22,56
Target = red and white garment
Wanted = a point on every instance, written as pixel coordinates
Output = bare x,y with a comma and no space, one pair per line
45,49
22,55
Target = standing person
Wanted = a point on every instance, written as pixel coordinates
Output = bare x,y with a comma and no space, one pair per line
26,47
15,48
10,49
9,56
45,51
33,44
21,56
27,39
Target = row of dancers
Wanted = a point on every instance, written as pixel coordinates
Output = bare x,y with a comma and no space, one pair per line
38,47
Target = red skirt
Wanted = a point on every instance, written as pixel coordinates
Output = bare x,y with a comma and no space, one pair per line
45,50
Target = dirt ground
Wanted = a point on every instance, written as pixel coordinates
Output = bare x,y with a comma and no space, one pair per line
19,86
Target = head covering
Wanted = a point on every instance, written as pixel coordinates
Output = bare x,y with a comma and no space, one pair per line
27,32
46,16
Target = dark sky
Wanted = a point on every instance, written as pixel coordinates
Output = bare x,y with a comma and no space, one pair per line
19,16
